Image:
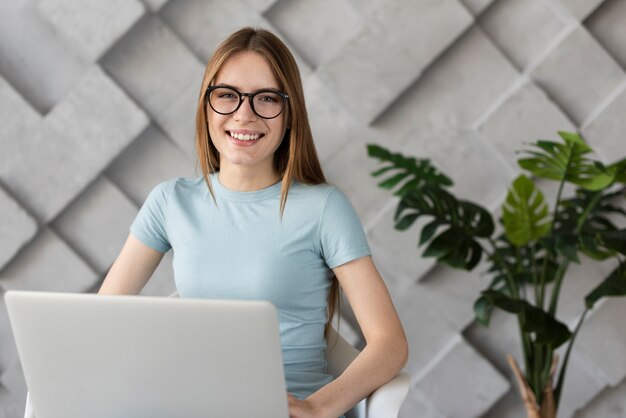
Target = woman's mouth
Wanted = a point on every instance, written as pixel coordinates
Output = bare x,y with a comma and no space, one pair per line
245,136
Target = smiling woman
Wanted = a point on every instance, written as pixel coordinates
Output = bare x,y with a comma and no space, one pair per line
239,129
262,223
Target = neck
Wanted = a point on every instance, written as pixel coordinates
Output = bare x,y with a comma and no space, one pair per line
246,179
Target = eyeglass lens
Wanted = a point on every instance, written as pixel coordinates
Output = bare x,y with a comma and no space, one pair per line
265,103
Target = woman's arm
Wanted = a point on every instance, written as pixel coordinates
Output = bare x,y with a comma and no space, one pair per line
384,355
132,269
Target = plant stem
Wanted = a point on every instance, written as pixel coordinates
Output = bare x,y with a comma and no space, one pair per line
542,285
537,384
561,379
560,274
585,214
510,280
556,203
533,268
558,277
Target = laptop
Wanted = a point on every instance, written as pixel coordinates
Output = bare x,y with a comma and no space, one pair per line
86,355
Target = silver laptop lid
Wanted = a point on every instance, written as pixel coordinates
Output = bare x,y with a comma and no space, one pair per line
129,356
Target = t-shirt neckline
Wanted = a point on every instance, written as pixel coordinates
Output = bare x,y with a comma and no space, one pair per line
253,196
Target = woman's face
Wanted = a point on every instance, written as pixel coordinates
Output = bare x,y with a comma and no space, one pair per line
243,138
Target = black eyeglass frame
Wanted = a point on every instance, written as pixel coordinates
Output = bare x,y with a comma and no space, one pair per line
250,97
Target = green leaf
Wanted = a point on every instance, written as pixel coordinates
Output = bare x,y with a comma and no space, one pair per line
615,240
406,221
391,182
546,328
525,214
377,151
567,161
598,237
416,172
457,245
566,246
482,309
620,170
443,243
428,231
454,248
613,285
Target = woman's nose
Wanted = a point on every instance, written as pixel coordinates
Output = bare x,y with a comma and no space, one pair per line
245,111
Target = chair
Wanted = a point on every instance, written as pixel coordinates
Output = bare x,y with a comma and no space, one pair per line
384,402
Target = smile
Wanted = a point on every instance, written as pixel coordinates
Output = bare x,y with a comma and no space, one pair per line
244,137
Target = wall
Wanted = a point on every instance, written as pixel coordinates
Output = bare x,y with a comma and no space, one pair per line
97,104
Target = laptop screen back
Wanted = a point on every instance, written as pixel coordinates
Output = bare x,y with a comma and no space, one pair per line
129,356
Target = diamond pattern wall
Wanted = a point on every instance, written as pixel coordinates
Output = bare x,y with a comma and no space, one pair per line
97,103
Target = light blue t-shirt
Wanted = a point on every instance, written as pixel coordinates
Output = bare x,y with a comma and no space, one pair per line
241,248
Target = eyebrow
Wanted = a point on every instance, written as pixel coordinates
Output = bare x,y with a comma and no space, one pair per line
253,91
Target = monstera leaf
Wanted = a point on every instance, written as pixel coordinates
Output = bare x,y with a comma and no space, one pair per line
546,328
457,245
525,213
413,172
620,171
613,285
566,161
587,216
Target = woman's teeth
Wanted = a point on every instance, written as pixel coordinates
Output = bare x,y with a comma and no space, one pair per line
245,137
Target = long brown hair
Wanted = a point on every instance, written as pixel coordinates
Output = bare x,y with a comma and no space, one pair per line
296,158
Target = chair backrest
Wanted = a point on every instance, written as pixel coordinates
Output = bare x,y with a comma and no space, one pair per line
339,354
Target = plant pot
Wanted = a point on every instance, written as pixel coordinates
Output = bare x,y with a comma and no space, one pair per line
547,409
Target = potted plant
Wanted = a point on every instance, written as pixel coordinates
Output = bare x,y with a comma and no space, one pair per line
529,260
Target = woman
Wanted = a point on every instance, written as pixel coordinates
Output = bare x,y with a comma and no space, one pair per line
261,223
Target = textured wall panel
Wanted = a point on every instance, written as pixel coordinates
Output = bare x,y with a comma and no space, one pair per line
585,382
48,263
465,376
332,124
93,25
151,159
202,27
96,223
611,403
98,102
606,131
461,85
590,78
607,24
36,59
17,227
157,69
581,8
595,339
388,40
522,28
319,28
453,292
526,113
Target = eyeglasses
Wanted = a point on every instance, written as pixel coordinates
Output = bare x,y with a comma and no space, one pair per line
265,103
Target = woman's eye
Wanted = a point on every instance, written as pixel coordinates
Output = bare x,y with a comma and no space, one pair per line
226,96
268,99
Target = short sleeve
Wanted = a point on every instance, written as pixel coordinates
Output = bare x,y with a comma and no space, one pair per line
341,233
149,226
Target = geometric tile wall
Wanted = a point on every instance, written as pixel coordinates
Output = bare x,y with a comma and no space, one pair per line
97,107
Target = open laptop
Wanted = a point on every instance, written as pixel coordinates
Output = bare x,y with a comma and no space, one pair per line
153,357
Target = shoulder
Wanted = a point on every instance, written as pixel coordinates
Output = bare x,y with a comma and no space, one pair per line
313,192
179,186
323,197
